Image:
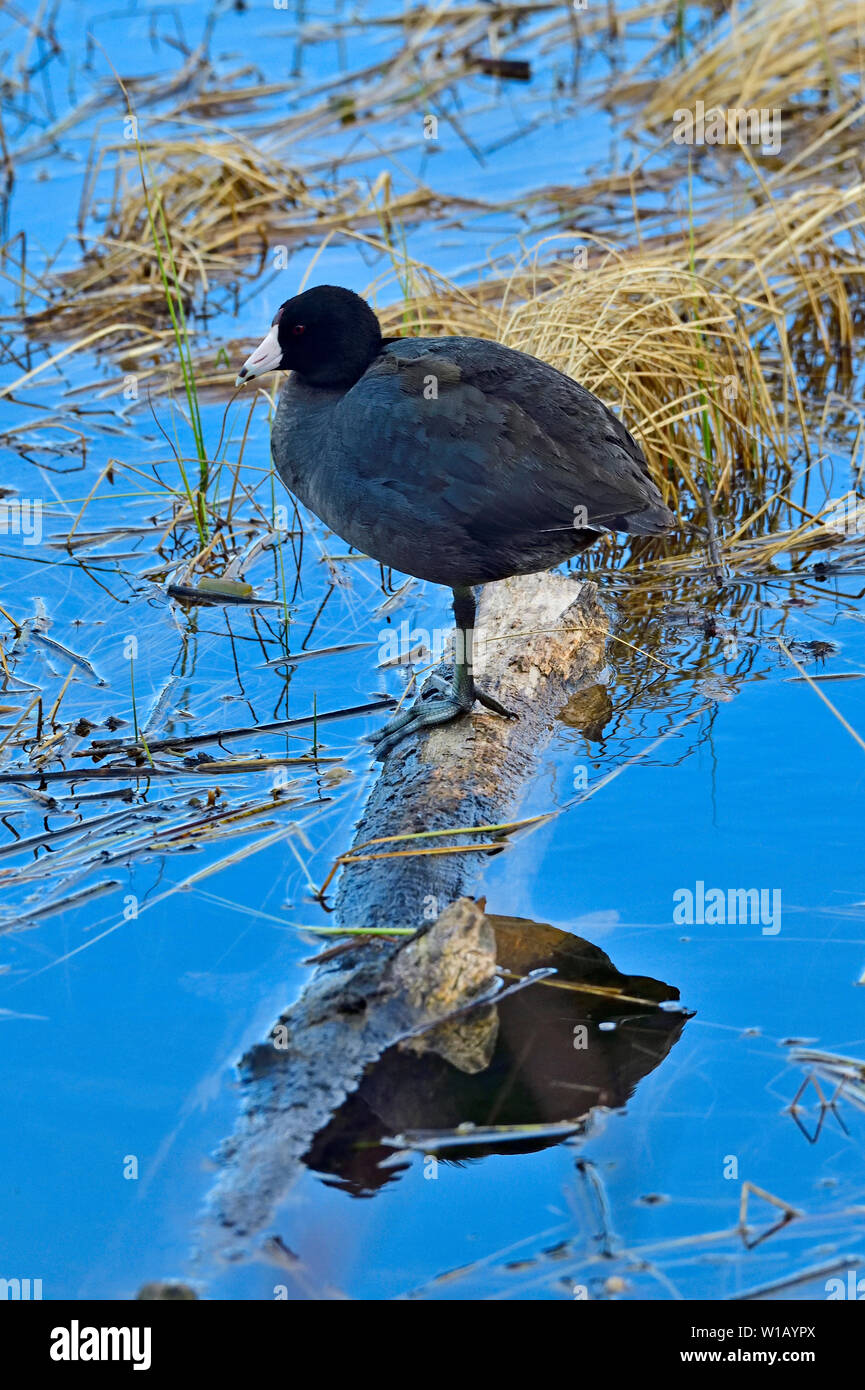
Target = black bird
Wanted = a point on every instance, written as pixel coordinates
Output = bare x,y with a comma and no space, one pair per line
456,460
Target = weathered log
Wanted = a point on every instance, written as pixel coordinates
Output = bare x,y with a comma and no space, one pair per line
352,1010
424,1034
542,638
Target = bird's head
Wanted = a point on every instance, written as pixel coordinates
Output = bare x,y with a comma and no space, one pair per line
327,335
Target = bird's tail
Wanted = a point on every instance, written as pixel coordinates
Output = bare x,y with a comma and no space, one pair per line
650,522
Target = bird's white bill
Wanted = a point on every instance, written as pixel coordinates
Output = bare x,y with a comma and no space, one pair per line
266,358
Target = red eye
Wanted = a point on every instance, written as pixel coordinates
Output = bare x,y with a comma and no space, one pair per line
298,328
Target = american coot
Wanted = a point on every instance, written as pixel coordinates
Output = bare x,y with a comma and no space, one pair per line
456,460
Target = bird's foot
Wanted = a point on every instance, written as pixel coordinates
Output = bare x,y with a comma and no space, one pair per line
440,701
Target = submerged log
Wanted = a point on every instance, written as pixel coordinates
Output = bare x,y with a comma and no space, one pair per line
352,1010
429,1042
438,994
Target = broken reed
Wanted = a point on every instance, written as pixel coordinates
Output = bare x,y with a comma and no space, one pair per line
173,293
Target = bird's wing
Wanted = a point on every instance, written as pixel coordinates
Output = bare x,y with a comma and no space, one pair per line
500,441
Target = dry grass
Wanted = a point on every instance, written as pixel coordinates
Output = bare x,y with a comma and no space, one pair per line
717,326
240,170
795,55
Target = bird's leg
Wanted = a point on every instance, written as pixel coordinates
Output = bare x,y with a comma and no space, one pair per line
442,701
465,690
